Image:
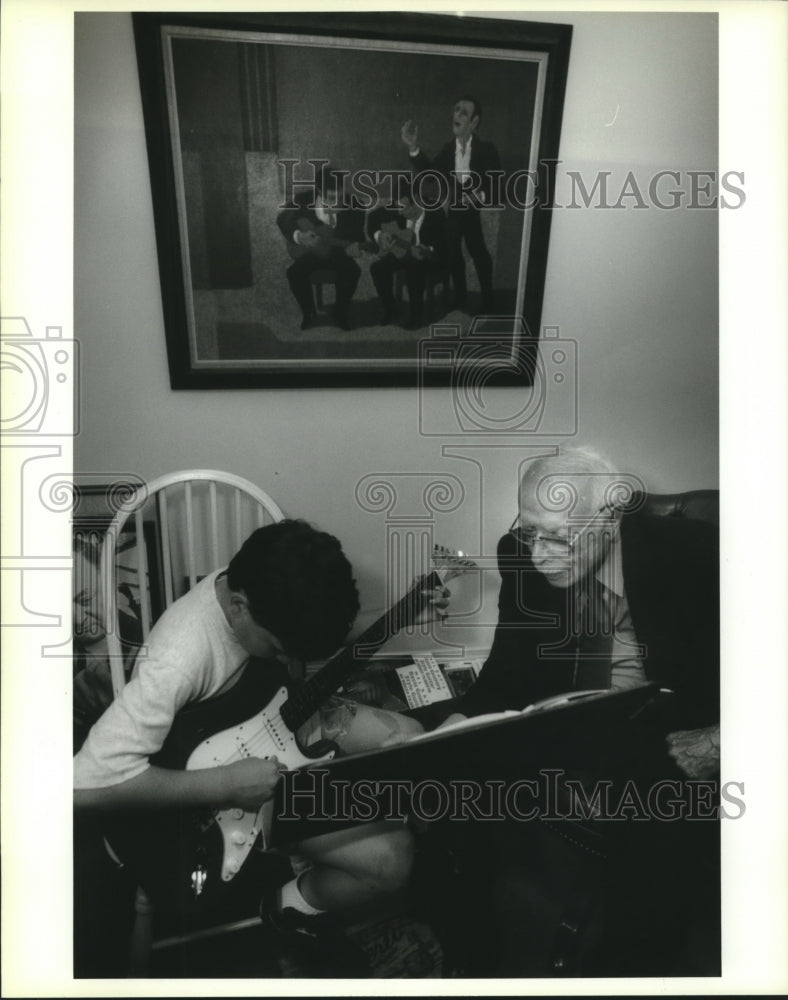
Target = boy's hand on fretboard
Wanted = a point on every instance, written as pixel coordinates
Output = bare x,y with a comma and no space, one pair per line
435,607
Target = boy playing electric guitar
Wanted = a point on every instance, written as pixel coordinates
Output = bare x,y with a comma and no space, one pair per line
287,595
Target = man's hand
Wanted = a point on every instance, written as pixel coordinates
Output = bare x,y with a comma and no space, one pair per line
360,252
247,784
306,238
410,134
420,252
386,242
696,751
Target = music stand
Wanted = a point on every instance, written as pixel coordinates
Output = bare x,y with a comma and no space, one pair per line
604,733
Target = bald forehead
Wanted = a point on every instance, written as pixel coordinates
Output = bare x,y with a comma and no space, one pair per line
560,496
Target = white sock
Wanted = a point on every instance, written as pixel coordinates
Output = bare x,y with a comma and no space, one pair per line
290,896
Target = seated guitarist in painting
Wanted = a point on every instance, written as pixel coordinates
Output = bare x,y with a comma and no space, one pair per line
287,594
412,240
321,234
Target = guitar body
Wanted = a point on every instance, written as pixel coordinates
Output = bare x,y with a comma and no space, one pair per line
195,853
264,735
398,241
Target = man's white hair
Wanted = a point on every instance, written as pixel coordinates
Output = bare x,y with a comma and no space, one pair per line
578,480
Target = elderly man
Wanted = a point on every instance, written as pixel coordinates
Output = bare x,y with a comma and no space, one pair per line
632,598
321,234
592,598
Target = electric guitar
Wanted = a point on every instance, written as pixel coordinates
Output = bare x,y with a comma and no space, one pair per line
212,845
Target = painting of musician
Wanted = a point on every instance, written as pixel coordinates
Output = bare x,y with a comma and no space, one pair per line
412,243
284,141
322,236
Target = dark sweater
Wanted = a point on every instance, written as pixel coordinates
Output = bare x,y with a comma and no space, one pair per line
671,577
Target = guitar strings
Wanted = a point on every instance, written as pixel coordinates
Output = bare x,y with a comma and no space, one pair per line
266,734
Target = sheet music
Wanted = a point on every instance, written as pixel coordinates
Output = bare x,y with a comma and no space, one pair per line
422,682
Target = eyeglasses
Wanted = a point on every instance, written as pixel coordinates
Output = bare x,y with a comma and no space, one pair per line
553,544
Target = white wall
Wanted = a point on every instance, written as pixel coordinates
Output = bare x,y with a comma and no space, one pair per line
636,289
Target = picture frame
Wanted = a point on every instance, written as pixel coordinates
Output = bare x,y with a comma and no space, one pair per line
247,114
95,506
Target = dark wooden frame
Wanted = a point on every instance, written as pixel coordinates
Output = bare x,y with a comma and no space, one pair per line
550,43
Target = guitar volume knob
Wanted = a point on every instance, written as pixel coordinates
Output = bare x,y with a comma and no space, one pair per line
239,837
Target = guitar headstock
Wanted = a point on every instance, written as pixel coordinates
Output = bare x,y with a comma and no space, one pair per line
448,563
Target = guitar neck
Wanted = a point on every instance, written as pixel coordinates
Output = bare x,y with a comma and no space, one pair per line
308,697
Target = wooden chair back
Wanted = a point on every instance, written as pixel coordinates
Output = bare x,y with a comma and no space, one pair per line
168,536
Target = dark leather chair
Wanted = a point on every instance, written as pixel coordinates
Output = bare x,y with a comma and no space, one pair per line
702,505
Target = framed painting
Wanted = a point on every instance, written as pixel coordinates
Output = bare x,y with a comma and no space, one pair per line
335,194
95,507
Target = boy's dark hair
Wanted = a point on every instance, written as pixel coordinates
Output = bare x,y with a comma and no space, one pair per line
299,585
